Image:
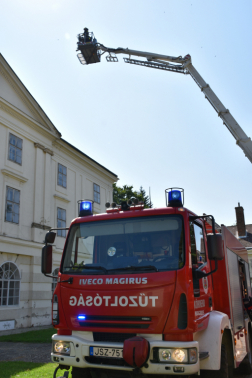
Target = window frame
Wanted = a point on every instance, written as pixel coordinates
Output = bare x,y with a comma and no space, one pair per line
9,288
15,147
204,241
61,233
59,173
6,200
98,193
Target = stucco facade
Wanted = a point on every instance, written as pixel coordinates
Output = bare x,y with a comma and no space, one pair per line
41,176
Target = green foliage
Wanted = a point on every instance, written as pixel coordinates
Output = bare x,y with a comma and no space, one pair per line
40,336
22,369
126,192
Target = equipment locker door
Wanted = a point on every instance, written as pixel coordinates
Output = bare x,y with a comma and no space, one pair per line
236,302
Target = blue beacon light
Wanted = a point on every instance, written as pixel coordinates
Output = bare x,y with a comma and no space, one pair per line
85,208
174,197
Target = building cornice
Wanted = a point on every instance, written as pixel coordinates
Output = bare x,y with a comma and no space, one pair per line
44,149
61,198
20,242
14,175
40,226
4,239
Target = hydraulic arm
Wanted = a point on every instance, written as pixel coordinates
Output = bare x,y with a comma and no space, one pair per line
91,52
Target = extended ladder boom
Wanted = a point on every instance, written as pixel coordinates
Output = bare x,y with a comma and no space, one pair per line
242,140
92,51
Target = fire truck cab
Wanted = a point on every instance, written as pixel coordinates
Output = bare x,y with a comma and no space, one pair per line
150,292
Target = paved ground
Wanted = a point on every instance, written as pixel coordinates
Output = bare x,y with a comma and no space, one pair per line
28,352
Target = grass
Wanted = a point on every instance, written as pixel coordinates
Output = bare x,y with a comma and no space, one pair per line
29,370
41,336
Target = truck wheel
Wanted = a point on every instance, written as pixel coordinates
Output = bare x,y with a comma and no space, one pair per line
80,373
246,365
223,372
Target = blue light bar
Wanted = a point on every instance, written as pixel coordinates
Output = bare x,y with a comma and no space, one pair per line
81,317
85,208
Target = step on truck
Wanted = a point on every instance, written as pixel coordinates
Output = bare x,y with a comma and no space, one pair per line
149,292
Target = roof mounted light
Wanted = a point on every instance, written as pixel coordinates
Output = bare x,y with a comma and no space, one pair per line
124,206
174,197
85,208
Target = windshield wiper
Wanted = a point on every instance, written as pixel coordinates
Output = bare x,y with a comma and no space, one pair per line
133,267
98,267
85,266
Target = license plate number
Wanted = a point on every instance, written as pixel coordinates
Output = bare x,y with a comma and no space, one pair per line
106,352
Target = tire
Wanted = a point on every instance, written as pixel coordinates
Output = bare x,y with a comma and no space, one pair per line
245,367
223,372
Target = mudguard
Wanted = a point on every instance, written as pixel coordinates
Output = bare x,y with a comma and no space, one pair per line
210,340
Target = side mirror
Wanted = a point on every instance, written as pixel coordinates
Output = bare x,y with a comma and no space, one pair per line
198,274
46,259
50,237
214,246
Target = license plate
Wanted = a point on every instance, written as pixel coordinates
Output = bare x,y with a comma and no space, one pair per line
106,352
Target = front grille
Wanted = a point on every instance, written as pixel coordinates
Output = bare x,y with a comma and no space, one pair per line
112,337
118,318
113,325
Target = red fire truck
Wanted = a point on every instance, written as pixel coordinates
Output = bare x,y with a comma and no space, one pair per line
150,292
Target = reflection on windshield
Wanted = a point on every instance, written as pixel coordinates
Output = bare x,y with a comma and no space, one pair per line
132,245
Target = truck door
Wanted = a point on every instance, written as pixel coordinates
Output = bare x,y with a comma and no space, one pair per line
202,288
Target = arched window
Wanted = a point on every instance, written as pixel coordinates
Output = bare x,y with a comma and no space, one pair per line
9,284
54,282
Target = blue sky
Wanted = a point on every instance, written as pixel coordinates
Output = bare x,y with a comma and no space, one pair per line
152,128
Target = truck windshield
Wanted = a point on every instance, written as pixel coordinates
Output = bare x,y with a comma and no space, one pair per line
130,245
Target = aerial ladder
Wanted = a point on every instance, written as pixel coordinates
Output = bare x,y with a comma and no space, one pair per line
91,52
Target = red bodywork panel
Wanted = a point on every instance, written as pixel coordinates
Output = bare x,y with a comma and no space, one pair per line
151,300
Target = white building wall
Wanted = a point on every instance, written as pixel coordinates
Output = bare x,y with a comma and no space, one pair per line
40,196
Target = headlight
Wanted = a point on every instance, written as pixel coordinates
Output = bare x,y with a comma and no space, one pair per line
166,354
62,347
173,355
179,355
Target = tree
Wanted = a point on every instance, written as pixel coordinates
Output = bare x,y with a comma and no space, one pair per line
126,192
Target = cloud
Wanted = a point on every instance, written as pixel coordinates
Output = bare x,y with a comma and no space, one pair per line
67,35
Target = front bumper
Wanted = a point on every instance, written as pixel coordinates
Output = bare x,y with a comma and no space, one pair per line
80,356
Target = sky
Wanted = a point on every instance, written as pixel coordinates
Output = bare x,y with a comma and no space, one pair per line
150,127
